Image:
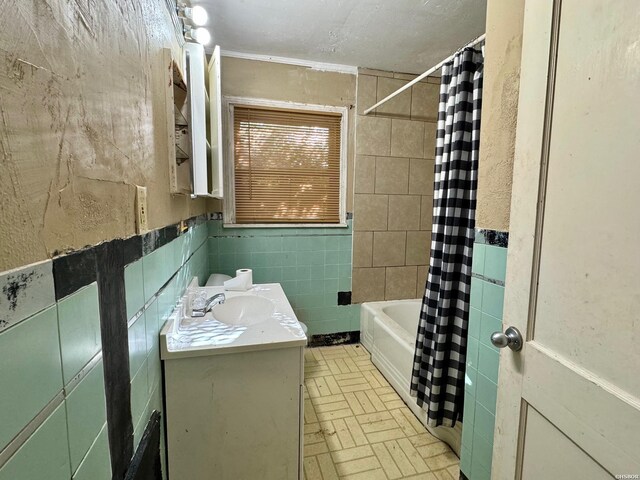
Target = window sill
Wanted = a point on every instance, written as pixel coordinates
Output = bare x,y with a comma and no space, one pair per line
285,225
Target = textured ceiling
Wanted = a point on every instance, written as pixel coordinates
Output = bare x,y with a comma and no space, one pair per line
398,35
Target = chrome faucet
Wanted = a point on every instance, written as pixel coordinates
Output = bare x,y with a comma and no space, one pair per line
208,305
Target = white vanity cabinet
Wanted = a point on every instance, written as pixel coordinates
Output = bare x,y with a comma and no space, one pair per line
234,398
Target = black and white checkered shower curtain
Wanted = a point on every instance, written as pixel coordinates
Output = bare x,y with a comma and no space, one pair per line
441,344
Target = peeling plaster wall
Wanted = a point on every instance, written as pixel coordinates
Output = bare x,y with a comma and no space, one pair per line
81,123
499,113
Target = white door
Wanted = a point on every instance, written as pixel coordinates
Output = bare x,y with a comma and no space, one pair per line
569,401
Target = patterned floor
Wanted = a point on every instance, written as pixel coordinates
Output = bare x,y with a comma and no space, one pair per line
357,427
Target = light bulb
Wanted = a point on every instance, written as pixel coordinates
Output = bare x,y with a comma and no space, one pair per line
199,15
201,35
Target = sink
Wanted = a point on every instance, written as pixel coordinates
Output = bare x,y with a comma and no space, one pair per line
244,310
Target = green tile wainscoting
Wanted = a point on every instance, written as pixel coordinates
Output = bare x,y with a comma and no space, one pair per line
52,375
52,400
485,317
153,285
312,264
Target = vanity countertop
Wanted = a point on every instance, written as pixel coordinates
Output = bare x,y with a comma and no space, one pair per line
209,336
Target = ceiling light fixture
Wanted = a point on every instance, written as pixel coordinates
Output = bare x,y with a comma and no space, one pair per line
198,15
200,35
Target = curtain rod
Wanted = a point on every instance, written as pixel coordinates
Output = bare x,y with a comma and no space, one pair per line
424,75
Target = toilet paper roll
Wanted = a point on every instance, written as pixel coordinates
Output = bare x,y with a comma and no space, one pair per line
241,282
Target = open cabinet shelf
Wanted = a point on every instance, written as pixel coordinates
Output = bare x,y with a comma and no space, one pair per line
178,128
194,122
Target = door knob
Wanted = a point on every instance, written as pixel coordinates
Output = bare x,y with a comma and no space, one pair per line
510,338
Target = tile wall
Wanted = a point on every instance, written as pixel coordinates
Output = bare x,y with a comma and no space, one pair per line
52,401
395,151
312,264
153,284
52,404
485,317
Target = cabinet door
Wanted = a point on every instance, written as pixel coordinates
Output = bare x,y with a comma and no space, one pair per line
215,124
195,61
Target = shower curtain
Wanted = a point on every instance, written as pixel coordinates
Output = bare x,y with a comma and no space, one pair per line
441,343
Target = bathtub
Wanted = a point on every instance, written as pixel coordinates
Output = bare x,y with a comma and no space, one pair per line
388,331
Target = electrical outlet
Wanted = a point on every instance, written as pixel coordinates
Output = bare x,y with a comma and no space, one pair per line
142,222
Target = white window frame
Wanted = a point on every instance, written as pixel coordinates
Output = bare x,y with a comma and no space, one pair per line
229,208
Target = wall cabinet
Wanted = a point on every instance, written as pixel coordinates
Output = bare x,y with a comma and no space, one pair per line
194,123
178,129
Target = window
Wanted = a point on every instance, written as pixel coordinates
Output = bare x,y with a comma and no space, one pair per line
287,164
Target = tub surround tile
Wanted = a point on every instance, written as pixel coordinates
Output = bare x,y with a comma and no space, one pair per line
400,105
368,284
400,283
366,92
402,181
430,136
389,248
421,284
407,138
374,72
418,246
392,175
371,212
404,212
44,455
24,292
374,136
426,212
362,249
31,377
421,176
79,323
86,414
425,99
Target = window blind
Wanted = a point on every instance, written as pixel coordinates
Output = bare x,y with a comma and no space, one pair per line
287,166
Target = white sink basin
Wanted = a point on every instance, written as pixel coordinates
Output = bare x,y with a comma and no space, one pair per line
244,310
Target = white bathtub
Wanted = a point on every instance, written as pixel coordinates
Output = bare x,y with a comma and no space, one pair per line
388,330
